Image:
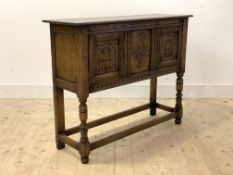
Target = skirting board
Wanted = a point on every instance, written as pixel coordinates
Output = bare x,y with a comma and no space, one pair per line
128,91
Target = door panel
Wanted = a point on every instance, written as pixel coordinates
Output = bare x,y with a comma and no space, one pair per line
121,57
106,56
169,44
139,49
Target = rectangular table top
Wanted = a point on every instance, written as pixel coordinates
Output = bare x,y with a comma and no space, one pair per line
104,20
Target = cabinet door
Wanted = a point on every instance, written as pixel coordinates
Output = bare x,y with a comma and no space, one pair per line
169,46
106,57
139,51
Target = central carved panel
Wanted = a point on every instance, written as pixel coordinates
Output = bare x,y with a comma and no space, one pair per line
106,57
139,51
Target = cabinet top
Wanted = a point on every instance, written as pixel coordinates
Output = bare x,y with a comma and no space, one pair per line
115,19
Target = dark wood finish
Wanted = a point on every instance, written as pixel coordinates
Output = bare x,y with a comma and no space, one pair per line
106,57
59,115
65,139
169,46
153,95
179,88
165,108
184,44
83,90
139,49
65,84
94,54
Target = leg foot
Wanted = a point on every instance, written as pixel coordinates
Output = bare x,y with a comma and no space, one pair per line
178,121
60,145
152,110
84,150
84,159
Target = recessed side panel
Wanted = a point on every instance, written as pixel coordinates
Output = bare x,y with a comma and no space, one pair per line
65,66
139,51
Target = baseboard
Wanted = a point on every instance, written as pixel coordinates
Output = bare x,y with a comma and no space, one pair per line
128,91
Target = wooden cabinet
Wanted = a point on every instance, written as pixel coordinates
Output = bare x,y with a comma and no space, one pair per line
119,54
94,54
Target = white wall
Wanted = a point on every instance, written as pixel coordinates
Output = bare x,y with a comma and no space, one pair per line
25,65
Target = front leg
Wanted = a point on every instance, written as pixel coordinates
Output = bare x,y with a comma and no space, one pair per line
84,145
178,107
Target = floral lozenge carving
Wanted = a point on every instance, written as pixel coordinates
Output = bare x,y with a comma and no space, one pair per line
139,53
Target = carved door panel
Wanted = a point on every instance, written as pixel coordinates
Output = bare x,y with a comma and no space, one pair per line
106,57
139,51
169,46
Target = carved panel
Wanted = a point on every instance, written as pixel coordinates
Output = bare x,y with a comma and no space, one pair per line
169,46
139,51
106,57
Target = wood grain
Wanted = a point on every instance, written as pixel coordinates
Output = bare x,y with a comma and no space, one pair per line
202,145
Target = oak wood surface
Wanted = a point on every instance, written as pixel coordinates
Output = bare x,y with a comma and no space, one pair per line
109,118
90,55
117,56
139,51
59,114
153,95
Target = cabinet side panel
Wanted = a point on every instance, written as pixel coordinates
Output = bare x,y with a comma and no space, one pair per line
64,55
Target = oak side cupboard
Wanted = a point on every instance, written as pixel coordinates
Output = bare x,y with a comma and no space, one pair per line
95,54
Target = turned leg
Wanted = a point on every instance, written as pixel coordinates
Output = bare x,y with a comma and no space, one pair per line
178,107
59,115
84,145
153,95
